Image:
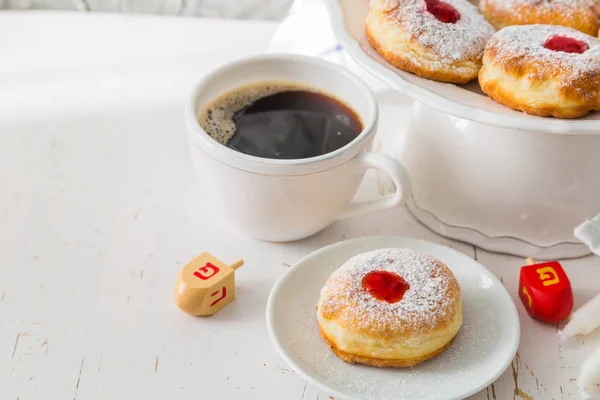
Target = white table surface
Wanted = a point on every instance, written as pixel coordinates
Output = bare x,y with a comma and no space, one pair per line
100,208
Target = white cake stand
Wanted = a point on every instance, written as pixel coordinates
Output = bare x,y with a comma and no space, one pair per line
483,173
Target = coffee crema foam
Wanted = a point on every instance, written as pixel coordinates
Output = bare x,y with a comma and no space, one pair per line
216,118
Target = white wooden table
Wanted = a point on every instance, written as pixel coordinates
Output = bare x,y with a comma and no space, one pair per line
100,208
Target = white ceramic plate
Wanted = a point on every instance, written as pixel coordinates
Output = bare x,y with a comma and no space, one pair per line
464,101
483,349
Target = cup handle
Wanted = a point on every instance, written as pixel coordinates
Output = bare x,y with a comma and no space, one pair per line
399,176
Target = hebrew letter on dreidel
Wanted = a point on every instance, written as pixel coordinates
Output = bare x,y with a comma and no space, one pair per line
206,272
548,275
526,293
223,292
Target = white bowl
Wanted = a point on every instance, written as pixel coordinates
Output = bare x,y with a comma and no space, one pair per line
483,173
483,349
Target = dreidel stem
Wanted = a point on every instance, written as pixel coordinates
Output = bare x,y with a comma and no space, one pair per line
236,264
529,261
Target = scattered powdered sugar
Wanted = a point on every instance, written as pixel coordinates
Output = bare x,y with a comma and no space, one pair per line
568,9
452,42
432,298
523,45
465,364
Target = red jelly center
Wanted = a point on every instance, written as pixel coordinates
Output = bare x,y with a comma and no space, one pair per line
443,11
566,44
385,286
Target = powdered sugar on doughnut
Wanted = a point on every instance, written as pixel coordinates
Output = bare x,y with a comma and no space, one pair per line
523,45
432,296
567,8
452,42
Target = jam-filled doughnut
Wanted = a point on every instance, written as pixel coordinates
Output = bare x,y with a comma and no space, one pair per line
435,39
390,308
583,15
543,70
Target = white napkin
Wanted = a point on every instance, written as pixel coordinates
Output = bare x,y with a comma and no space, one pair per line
307,30
589,378
589,233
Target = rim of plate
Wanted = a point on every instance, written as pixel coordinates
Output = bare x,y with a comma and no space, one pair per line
289,358
447,105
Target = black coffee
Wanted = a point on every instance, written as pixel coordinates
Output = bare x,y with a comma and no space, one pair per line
280,120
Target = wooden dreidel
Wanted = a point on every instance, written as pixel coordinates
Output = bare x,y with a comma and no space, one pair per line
545,291
205,285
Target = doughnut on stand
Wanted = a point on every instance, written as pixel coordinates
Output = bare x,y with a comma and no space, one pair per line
483,173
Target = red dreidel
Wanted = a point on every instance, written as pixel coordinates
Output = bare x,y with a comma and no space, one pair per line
546,291
205,285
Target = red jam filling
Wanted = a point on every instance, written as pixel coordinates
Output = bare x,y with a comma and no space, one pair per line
566,44
385,286
443,11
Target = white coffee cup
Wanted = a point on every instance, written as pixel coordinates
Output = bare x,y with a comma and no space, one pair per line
284,200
